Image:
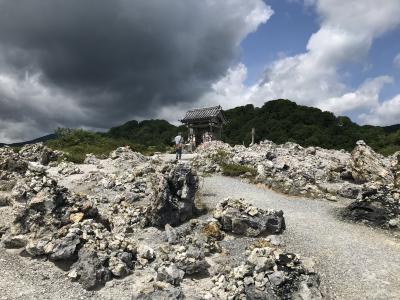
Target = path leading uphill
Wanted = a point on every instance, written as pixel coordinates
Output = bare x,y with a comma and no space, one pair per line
354,261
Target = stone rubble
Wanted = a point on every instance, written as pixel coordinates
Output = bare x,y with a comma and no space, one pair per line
368,166
241,218
317,173
267,273
54,222
378,204
109,218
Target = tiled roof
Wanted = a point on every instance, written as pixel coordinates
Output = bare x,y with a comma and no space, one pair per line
204,114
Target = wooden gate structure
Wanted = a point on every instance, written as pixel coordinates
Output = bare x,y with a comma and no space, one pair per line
204,124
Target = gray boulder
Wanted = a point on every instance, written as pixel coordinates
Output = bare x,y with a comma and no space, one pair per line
174,199
378,205
171,274
65,248
90,270
242,218
367,165
169,293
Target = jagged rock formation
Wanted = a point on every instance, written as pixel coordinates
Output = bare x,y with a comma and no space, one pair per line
109,217
288,168
52,221
367,165
396,169
378,204
318,173
267,273
241,218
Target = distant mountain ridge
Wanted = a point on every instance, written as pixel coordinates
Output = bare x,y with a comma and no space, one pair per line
278,120
44,138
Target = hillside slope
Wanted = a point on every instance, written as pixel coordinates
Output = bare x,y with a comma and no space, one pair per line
279,121
282,120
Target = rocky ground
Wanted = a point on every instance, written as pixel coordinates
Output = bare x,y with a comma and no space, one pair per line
354,261
132,227
370,180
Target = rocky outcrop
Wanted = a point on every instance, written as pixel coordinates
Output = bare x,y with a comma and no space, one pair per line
174,199
369,178
396,170
378,205
287,168
112,217
39,153
368,166
241,218
68,168
54,222
267,273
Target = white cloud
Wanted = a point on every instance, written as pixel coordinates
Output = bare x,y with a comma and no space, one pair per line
348,29
386,113
365,97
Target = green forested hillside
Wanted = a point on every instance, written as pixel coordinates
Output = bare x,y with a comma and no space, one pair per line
148,133
278,120
283,120
146,137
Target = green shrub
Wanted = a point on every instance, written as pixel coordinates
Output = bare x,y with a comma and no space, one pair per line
220,157
16,149
236,169
77,143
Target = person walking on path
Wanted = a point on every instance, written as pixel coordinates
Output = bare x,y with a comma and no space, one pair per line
178,145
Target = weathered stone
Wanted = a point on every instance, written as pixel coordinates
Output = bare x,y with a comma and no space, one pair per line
117,267
192,261
267,274
277,278
90,271
212,229
65,248
37,167
77,217
171,235
146,252
5,199
170,274
174,200
36,247
377,205
234,217
367,165
396,170
259,258
14,242
165,293
308,288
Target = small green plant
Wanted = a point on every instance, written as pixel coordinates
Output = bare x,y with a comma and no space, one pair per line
16,149
236,170
220,157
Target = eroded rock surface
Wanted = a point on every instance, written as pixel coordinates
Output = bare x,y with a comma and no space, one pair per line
369,166
317,173
238,217
112,217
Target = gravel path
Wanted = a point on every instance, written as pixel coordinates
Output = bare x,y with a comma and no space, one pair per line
354,261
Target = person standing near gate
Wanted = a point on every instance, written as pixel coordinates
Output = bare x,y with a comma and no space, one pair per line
179,145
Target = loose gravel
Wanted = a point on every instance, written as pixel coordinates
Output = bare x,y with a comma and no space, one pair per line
354,261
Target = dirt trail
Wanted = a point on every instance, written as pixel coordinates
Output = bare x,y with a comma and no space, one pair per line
354,261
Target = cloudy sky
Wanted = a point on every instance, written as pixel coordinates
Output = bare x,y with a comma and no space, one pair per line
98,63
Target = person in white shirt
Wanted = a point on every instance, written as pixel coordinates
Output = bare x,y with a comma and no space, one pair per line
178,145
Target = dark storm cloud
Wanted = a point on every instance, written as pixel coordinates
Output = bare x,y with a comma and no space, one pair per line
98,62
